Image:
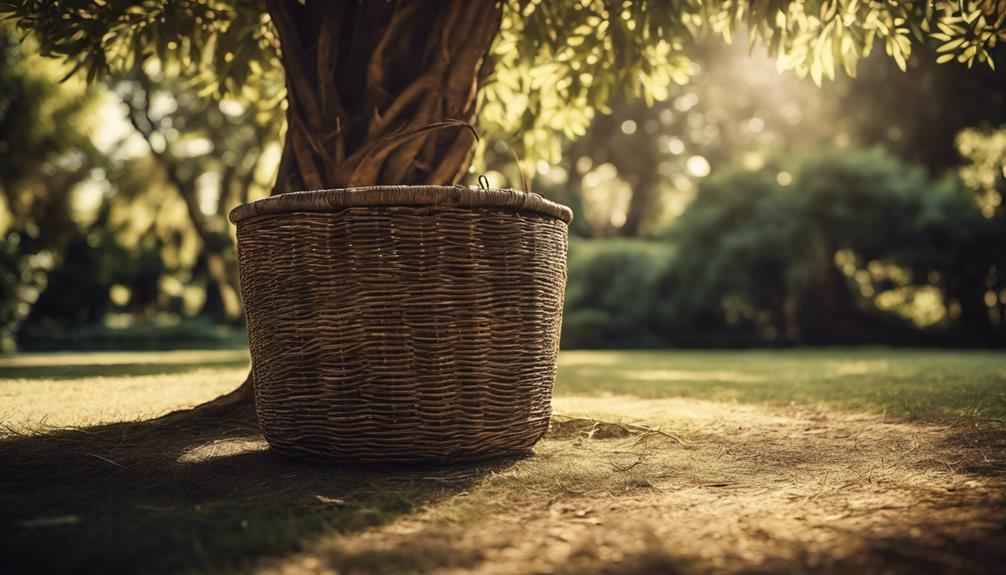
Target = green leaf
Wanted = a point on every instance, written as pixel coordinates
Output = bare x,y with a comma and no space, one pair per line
899,59
950,45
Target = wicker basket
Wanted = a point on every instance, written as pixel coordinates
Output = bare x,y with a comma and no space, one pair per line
406,323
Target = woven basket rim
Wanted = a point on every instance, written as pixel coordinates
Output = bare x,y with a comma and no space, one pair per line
457,196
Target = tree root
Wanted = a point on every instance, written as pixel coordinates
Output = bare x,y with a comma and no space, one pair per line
239,403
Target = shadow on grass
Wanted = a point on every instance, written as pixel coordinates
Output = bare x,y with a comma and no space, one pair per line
77,371
197,494
114,365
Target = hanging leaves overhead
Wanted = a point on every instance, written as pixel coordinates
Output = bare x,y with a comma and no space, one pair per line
556,63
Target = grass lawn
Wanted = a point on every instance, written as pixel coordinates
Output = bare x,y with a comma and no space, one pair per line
925,384
663,461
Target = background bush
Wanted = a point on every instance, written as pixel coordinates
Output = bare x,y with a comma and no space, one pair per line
839,246
610,296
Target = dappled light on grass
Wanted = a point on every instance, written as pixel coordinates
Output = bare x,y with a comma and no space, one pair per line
105,387
926,384
862,367
106,358
693,376
684,416
582,358
50,403
223,448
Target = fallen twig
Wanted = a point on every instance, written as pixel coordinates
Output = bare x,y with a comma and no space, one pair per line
621,469
107,460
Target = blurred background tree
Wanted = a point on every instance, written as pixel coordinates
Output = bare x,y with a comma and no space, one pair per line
134,224
211,153
45,151
756,204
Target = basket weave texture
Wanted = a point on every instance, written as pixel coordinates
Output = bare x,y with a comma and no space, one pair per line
403,323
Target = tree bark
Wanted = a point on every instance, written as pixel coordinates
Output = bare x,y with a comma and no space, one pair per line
376,92
372,88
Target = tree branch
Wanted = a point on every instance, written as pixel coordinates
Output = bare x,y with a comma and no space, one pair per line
454,163
376,64
396,167
380,124
363,171
184,186
294,60
305,159
287,179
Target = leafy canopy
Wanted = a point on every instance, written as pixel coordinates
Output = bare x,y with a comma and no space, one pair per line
557,63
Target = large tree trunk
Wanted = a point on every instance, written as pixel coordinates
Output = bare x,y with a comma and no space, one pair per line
375,93
365,78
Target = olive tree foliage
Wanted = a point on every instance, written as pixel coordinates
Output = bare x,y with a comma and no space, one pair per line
377,90
985,169
45,151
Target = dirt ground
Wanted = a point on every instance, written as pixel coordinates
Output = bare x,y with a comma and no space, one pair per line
747,489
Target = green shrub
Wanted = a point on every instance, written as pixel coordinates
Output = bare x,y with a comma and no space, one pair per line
808,251
609,298
801,257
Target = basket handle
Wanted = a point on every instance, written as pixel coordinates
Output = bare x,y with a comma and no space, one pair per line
381,148
524,182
